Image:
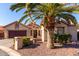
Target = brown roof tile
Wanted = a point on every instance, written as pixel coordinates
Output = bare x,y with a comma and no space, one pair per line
32,25
42,23
2,28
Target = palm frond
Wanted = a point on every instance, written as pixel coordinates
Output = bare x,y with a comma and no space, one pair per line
22,18
38,10
16,6
68,17
18,9
26,21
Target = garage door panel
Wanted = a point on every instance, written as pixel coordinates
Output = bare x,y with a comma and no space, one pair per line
17,33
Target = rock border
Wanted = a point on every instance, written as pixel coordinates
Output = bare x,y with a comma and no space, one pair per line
10,51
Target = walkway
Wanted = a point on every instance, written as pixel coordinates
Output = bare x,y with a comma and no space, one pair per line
5,48
6,42
41,50
2,53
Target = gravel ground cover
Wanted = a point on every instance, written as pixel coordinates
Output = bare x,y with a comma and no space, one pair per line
42,50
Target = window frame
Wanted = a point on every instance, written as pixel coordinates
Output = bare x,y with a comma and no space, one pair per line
58,29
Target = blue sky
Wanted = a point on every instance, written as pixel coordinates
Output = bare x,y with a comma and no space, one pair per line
7,16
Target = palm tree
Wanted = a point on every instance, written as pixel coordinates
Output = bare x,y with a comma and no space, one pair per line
48,12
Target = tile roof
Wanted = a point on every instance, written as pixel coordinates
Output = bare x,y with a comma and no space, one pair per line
32,25
2,28
42,23
15,22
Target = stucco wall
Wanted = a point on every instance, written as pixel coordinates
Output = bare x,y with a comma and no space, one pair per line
61,25
43,34
38,37
12,27
5,34
73,31
68,30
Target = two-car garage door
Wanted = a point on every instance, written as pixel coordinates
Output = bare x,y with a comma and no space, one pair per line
13,33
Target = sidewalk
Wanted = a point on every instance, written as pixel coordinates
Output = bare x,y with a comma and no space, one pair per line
6,42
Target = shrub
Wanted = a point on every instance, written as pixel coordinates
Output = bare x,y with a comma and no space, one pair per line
69,37
62,38
56,38
26,41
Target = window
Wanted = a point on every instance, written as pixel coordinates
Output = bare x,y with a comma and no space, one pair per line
60,30
30,32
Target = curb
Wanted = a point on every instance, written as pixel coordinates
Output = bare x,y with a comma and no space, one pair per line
10,51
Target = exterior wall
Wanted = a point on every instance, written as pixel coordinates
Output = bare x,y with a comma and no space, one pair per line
12,27
73,31
5,34
43,34
21,27
68,30
28,32
61,25
38,37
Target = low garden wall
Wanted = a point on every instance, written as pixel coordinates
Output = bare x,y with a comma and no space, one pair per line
20,42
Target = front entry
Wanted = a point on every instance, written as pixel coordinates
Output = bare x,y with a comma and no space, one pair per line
34,33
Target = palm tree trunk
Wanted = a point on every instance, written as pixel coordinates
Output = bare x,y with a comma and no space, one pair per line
50,41
50,31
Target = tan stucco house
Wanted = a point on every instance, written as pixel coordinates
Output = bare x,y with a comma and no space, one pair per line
33,30
15,29
61,27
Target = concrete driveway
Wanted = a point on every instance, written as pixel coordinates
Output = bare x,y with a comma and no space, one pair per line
6,42
5,49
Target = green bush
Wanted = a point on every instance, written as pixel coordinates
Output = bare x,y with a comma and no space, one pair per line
69,37
56,38
26,41
62,38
